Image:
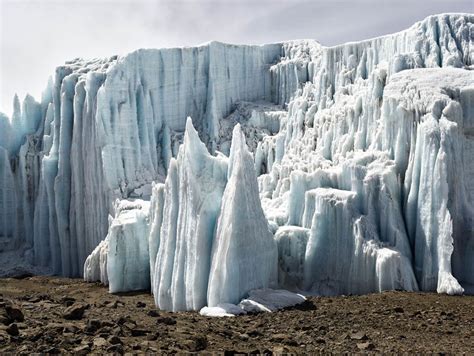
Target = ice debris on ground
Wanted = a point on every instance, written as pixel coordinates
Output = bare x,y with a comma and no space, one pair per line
258,301
361,152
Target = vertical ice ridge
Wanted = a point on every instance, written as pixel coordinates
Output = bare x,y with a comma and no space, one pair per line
192,194
244,252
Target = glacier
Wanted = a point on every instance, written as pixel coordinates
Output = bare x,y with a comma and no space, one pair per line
208,173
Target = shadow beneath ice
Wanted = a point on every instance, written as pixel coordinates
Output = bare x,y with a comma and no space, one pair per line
132,293
305,306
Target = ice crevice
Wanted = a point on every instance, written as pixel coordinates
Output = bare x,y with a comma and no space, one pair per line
297,157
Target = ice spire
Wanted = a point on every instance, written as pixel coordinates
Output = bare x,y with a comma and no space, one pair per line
244,252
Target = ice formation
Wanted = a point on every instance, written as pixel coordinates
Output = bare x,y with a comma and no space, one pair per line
361,179
244,253
193,193
122,260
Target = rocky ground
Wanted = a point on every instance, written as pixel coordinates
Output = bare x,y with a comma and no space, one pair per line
58,315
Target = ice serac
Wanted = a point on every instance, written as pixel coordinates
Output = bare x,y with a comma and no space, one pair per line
122,259
339,233
95,267
192,201
292,242
244,254
438,204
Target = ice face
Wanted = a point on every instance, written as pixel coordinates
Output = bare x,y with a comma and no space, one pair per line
214,241
373,120
192,200
361,149
106,132
122,259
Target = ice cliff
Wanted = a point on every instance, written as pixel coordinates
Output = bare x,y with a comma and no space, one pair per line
349,171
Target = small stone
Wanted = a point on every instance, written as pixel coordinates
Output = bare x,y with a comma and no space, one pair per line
138,332
14,314
256,333
34,299
416,313
82,350
128,325
115,348
166,320
70,328
153,313
70,341
93,325
141,305
117,331
359,336
106,323
36,336
100,342
365,346
67,301
244,337
152,336
12,329
278,337
74,312
52,351
195,344
291,342
201,342
115,340
55,327
123,320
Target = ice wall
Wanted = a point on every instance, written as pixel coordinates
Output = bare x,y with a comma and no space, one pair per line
374,120
372,139
103,132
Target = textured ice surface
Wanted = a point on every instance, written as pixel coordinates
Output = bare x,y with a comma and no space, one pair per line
244,255
361,150
210,252
122,259
107,130
192,200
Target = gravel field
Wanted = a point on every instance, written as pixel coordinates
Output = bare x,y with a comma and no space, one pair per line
60,315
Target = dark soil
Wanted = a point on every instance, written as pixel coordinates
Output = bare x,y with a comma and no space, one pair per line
58,315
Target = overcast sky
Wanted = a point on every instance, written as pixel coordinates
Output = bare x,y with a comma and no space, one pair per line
37,35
